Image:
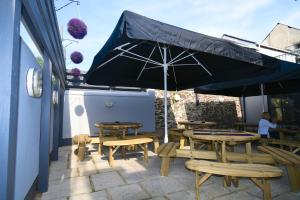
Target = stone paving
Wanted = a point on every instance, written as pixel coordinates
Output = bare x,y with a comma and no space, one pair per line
133,179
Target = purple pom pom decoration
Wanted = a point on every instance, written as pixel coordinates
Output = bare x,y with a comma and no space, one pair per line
75,72
77,28
76,57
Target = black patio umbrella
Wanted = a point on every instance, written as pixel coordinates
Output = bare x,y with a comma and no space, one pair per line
283,81
240,90
142,52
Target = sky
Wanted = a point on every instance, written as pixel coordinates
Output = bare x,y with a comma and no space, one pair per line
251,20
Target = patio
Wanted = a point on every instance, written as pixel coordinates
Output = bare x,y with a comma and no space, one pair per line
132,179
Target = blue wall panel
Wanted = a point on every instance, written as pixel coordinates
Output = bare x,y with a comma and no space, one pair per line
27,159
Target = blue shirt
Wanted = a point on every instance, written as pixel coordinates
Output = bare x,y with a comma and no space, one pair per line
264,125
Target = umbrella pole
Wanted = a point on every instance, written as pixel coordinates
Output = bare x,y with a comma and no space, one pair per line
262,96
165,65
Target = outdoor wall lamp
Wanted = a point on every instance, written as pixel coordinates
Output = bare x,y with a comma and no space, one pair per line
34,82
109,104
55,97
177,97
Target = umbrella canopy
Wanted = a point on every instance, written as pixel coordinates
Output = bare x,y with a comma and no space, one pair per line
133,56
142,52
283,81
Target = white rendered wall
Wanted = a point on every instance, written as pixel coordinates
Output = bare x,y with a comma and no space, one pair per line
254,108
83,108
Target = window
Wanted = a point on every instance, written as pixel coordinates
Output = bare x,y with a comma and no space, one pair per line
25,35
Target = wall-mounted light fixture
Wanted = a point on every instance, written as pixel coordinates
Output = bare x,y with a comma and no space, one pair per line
109,104
34,82
177,97
55,97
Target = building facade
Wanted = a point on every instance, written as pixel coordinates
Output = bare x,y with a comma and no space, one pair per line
31,96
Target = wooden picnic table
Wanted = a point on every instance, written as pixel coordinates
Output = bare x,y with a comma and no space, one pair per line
221,140
178,133
283,132
193,124
286,141
120,129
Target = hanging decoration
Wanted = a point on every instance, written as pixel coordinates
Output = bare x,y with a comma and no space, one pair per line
77,28
76,57
75,72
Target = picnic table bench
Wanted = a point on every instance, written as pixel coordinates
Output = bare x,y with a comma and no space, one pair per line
289,159
253,171
293,145
114,145
155,138
170,150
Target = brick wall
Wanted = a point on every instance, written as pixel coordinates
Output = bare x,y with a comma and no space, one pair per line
221,109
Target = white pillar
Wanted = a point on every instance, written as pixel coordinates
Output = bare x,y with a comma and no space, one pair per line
165,94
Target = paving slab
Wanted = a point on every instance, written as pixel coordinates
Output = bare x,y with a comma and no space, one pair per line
87,170
106,180
158,198
63,156
288,196
100,195
62,174
238,195
104,167
68,148
183,195
278,186
128,192
74,163
58,165
214,190
160,186
67,187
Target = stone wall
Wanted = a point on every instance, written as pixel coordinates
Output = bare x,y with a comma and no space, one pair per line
182,106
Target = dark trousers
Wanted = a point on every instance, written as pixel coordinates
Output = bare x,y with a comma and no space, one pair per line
263,136
274,134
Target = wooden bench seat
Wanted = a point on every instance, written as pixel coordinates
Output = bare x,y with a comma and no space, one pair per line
169,150
253,171
114,145
291,160
155,138
289,143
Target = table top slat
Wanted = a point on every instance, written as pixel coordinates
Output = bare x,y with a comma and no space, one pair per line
125,142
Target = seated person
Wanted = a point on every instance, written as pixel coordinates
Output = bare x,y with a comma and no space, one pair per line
265,124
